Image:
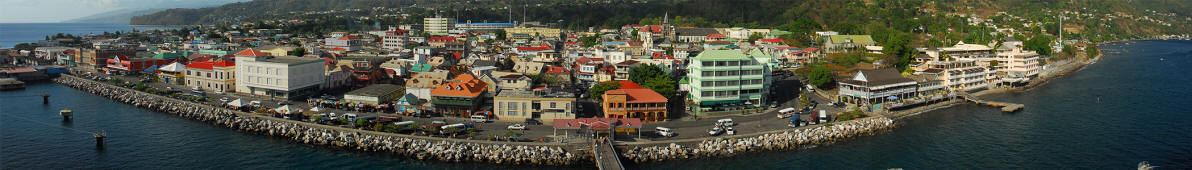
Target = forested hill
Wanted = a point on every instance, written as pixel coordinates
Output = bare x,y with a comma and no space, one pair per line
1104,17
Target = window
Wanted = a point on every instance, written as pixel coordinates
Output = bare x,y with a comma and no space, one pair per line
552,105
208,75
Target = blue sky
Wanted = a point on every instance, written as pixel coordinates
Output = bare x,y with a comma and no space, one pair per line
39,11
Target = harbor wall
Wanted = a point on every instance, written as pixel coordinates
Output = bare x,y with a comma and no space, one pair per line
420,147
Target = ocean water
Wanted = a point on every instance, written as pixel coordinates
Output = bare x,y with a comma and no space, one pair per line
1128,108
15,33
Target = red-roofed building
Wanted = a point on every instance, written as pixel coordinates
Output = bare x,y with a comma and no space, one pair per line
773,40
715,37
585,68
440,41
219,76
251,53
461,96
633,101
130,64
347,42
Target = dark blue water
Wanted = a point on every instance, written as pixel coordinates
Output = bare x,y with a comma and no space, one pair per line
1128,108
16,33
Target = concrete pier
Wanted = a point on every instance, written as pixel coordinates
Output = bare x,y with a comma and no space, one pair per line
1005,106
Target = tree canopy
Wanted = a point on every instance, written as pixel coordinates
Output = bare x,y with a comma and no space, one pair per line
598,90
645,72
820,76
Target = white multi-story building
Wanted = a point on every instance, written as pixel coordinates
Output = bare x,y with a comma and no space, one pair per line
277,76
394,39
1019,66
962,75
438,25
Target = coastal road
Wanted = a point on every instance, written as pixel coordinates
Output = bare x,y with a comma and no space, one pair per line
685,128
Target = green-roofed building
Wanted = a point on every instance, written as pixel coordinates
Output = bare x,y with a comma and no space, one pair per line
845,43
167,56
719,78
418,68
213,52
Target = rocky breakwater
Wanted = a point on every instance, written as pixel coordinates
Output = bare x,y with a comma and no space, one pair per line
424,148
790,139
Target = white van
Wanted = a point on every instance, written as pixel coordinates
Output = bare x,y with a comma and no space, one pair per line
725,122
663,131
479,118
823,116
350,116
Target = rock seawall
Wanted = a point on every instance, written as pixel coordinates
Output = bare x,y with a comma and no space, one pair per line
424,149
792,139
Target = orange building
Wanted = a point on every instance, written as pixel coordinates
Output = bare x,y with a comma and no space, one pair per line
633,101
460,97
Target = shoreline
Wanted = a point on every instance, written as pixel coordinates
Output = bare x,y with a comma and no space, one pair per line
498,152
457,150
1068,68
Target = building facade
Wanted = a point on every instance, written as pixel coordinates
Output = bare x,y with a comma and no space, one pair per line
634,102
459,97
278,76
438,25
876,86
720,77
517,105
218,76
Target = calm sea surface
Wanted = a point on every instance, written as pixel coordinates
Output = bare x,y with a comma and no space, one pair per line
1128,108
16,33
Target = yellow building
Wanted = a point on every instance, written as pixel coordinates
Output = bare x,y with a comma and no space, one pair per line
519,105
219,76
280,51
546,32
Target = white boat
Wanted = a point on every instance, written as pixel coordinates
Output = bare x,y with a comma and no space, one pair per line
1144,165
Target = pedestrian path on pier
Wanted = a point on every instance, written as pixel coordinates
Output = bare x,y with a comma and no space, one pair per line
606,156
1005,106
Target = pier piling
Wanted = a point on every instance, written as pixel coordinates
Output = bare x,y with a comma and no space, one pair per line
66,114
45,98
99,136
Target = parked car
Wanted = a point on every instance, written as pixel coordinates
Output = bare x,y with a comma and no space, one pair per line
533,122
715,131
730,131
224,100
517,127
665,132
255,103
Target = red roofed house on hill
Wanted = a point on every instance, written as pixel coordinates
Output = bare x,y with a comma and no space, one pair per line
460,97
219,76
634,103
347,42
